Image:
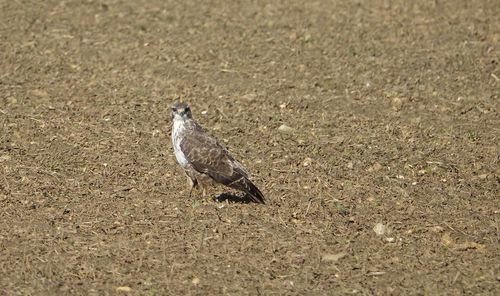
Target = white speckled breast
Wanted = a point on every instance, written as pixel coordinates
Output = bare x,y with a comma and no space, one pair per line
177,130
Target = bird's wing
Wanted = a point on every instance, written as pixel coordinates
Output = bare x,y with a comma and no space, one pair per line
208,157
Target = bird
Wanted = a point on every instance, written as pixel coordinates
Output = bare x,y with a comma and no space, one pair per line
203,159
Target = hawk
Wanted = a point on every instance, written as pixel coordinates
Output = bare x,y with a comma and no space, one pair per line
203,159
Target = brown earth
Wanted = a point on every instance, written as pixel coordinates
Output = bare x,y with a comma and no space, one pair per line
394,114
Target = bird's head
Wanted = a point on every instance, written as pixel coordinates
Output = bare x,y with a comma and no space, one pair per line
181,111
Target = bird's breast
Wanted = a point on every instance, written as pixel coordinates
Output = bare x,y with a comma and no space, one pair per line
177,136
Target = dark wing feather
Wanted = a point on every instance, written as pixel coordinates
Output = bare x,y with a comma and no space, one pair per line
247,186
206,156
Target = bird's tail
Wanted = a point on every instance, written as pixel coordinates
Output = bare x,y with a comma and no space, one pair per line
246,185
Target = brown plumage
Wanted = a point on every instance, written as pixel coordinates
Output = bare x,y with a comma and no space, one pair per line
203,158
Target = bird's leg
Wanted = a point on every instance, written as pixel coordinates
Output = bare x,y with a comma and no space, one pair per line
191,191
192,183
203,189
203,186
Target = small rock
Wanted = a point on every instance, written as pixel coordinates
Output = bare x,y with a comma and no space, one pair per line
11,100
337,140
380,229
437,229
307,37
446,239
390,239
396,104
249,97
307,162
375,167
483,176
333,257
4,158
39,93
285,128
195,281
124,289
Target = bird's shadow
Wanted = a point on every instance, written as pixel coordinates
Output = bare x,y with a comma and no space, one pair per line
245,199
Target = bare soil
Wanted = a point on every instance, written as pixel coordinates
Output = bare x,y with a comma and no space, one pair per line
386,181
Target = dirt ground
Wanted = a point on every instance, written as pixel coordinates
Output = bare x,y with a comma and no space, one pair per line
385,179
